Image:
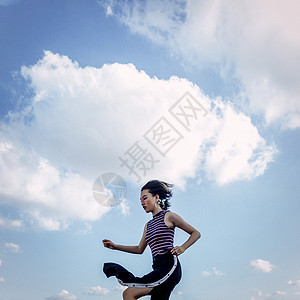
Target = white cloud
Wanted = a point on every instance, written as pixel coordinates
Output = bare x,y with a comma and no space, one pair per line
1,262
49,195
78,125
239,152
295,282
63,295
269,295
213,272
262,265
97,290
109,11
124,206
6,223
262,294
205,273
2,279
280,293
217,33
13,247
217,272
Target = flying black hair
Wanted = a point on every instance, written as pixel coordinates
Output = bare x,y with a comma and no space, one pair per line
162,189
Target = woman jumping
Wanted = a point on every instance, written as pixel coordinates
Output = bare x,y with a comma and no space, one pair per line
159,235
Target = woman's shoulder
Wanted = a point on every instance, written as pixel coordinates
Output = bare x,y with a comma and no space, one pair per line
170,213
172,216
169,218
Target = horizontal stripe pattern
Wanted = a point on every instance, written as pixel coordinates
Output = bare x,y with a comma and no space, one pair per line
159,236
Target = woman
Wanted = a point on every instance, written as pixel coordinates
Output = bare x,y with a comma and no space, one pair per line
159,235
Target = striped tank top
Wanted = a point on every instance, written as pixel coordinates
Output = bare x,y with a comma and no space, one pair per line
159,236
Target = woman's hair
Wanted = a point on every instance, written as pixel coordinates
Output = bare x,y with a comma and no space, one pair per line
162,189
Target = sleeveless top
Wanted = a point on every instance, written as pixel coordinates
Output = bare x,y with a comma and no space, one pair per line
159,236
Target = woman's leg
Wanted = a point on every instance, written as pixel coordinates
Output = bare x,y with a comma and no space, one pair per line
133,293
163,291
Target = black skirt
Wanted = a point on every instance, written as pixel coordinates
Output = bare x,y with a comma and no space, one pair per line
165,276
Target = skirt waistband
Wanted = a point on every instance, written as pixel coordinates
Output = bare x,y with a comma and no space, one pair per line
163,258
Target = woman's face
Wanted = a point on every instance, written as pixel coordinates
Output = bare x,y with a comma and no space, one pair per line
148,201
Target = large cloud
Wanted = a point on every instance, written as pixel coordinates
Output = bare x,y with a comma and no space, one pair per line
81,122
256,43
47,195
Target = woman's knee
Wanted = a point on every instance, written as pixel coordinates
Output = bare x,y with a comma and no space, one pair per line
132,293
127,294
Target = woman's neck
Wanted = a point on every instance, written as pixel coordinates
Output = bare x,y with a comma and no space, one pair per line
156,210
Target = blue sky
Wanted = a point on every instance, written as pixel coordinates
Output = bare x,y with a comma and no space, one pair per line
83,83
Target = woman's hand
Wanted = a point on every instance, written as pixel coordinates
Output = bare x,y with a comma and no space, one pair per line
177,250
109,244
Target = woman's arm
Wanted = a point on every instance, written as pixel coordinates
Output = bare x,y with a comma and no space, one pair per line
130,249
176,221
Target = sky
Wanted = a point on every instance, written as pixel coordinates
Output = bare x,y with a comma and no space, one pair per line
98,97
